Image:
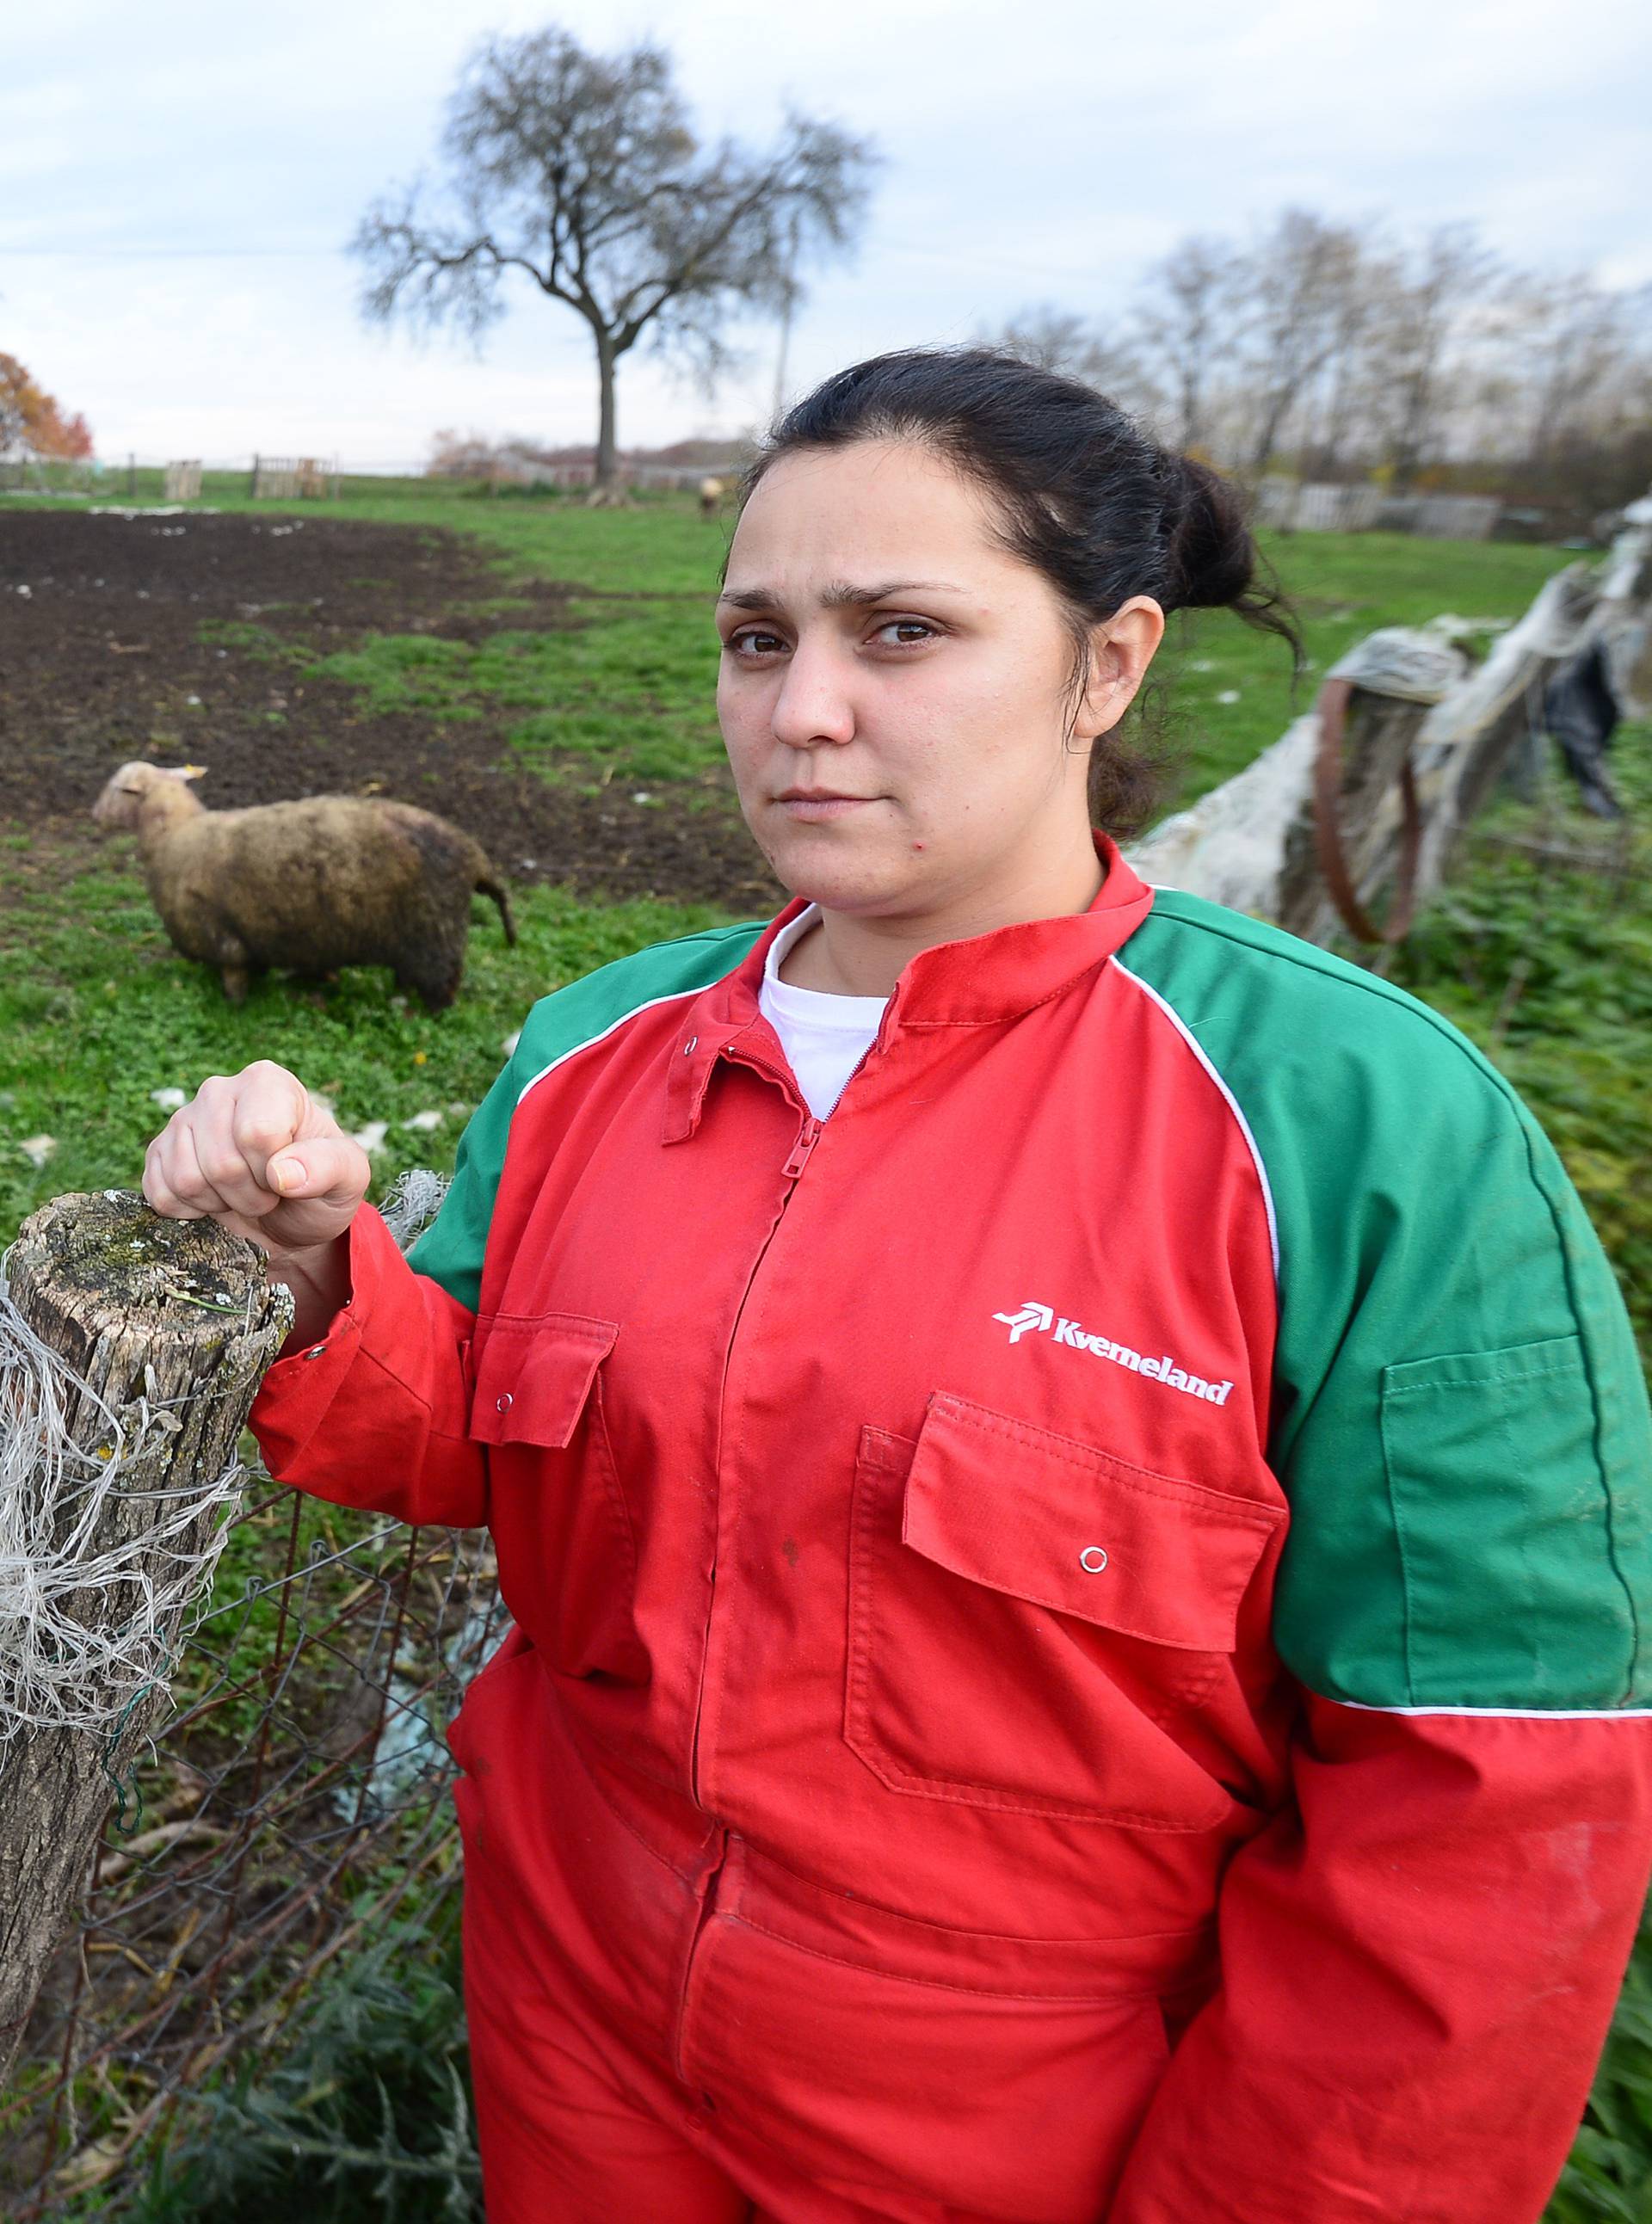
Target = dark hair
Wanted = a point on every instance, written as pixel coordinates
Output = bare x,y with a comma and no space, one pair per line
1083,494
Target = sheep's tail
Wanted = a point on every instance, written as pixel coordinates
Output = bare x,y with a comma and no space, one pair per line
490,887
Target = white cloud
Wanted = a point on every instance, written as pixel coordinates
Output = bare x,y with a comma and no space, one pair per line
1045,150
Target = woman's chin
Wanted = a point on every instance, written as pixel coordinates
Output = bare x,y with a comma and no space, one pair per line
839,881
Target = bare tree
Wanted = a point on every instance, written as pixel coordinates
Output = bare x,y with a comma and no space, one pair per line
1430,304
1343,403
1304,281
1359,354
582,173
1056,339
1183,321
1574,340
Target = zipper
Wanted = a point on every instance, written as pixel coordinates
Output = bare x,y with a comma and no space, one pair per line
800,1158
802,1150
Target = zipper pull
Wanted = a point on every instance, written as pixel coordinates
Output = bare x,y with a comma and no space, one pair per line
806,1143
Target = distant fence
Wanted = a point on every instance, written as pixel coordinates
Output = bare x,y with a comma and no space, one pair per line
293,478
26,473
1285,504
1310,507
569,478
183,481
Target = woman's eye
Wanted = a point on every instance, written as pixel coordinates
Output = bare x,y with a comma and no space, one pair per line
754,641
908,633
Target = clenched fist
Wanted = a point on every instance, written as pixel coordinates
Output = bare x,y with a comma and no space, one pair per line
254,1153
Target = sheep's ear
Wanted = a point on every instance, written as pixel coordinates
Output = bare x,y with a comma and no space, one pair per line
191,771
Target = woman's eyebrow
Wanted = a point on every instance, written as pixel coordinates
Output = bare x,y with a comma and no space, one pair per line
839,595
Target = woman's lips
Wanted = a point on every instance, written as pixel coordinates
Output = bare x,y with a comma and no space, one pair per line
837,806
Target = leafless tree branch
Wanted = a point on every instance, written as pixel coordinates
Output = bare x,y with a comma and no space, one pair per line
582,173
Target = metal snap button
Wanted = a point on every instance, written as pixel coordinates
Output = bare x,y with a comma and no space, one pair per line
504,1403
315,1351
689,1044
1092,1559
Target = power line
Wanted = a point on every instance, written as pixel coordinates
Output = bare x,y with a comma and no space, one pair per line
171,254
899,249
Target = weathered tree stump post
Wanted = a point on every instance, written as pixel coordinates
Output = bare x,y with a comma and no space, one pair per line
119,1466
1391,679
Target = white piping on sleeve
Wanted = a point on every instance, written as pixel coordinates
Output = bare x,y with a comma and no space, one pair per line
1200,1052
679,996
1507,1713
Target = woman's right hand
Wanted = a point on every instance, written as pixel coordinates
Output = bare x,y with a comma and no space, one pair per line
254,1153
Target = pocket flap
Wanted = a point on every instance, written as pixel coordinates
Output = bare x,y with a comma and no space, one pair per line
533,1376
1057,1521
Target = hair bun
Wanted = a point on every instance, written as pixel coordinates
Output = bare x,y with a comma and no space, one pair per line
1211,555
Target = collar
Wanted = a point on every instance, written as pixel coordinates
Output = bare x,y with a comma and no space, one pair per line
820,1007
983,980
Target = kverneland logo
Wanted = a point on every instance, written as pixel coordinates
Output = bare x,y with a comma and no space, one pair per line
1034,1318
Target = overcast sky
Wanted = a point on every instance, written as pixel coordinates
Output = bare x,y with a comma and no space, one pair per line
177,182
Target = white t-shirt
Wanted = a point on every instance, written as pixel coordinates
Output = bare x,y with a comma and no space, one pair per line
824,1036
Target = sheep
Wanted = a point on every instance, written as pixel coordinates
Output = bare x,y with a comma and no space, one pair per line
330,880
711,496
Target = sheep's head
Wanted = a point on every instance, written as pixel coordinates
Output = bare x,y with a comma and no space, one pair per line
122,801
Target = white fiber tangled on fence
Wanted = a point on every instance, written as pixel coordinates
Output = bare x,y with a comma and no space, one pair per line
413,1201
58,1670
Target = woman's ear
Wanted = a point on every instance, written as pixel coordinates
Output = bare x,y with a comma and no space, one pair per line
1120,653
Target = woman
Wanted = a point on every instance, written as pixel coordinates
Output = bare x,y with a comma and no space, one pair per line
1069,1471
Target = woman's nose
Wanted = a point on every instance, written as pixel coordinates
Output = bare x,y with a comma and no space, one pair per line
813,704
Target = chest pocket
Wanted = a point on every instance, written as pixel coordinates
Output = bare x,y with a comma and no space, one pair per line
558,1509
1029,1618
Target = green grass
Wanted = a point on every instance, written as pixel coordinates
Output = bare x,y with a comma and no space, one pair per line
658,660
364,2117
630,686
97,1011
634,680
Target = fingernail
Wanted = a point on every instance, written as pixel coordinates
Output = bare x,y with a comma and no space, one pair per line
287,1175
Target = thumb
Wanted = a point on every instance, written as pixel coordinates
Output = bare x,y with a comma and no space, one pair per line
323,1166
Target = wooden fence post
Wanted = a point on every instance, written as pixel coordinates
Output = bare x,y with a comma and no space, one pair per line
148,1315
1426,741
1392,679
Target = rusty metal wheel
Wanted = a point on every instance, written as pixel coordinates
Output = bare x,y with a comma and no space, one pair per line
1333,708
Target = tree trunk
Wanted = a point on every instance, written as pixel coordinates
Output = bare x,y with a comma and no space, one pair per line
1191,432
1263,454
606,487
176,1315
1406,452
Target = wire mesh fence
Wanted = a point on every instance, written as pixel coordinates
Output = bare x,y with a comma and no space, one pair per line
290,1807
293,1808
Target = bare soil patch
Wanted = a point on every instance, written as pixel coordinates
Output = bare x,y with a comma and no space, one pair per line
101,651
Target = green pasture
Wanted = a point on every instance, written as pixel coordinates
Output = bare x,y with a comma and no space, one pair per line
97,1011
633,683
1540,949
630,686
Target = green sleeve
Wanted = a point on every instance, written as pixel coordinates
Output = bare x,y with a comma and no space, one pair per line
1461,1424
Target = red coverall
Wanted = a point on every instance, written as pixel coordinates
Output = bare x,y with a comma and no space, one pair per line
923,1781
